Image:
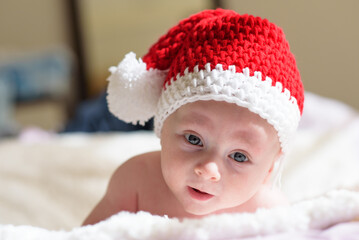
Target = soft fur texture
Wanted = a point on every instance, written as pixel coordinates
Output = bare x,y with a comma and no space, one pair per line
50,182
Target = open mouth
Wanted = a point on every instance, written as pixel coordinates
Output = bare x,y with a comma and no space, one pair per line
199,195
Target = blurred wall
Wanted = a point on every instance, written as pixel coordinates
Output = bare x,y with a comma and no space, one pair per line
113,28
33,34
32,25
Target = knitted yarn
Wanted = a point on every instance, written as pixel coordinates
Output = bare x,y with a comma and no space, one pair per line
212,55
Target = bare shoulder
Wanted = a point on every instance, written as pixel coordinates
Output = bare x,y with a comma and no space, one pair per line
138,164
132,173
124,186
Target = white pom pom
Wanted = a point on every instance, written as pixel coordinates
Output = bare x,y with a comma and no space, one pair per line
133,92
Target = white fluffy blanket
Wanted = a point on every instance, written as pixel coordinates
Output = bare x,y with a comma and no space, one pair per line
49,183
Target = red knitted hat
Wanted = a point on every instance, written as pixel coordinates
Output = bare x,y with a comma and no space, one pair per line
213,55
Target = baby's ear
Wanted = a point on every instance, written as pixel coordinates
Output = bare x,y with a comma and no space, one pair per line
276,165
276,161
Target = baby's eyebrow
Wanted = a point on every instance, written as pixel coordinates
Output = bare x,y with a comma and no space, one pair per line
248,135
196,118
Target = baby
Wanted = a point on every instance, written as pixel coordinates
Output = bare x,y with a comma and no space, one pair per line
227,97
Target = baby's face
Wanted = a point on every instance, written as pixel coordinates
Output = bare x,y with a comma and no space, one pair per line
216,155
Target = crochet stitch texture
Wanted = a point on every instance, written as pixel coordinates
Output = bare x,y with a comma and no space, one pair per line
227,38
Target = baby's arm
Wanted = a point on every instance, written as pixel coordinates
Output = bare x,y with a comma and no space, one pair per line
121,194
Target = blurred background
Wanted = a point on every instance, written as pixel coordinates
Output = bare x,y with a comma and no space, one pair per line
55,54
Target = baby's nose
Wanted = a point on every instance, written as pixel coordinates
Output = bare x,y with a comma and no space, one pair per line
208,171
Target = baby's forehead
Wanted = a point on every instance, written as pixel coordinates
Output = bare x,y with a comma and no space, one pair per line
220,111
214,109
206,111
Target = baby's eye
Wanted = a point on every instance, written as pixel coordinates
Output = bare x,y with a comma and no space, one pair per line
193,139
239,157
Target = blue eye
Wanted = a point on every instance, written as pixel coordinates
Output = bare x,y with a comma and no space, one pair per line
239,157
193,139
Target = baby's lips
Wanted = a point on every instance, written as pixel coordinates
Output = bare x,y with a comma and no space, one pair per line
197,190
200,191
199,195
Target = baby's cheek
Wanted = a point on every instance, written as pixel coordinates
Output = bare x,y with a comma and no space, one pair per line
171,166
167,173
246,185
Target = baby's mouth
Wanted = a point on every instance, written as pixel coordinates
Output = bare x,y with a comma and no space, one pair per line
199,195
199,191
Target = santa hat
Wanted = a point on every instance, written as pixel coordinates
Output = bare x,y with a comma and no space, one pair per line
213,55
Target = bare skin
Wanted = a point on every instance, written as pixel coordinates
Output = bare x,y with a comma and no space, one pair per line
207,165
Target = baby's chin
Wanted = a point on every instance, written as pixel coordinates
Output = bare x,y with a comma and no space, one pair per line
202,211
199,213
